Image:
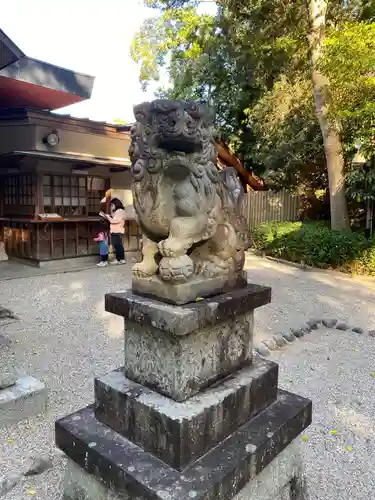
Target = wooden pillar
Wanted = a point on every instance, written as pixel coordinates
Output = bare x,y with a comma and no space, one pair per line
39,200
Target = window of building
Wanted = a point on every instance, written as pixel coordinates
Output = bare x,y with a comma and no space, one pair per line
73,195
18,190
96,188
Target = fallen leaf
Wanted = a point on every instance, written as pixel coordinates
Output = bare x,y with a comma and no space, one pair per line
304,438
198,299
348,447
31,492
10,441
373,375
357,350
333,432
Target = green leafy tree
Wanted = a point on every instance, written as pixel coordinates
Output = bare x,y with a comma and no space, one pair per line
349,60
252,63
329,125
290,141
205,60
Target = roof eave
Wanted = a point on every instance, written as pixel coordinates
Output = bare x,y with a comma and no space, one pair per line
49,76
12,47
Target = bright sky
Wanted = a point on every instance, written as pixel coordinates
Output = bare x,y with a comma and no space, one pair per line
88,36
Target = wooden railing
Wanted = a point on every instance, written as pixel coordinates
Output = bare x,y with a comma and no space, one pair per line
38,240
132,237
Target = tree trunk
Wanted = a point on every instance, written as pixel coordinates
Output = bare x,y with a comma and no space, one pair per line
317,10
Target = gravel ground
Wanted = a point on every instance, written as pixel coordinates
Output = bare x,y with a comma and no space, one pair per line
336,371
302,294
65,338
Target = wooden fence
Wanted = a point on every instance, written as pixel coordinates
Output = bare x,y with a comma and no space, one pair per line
265,206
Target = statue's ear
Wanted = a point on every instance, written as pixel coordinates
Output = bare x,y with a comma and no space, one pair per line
142,112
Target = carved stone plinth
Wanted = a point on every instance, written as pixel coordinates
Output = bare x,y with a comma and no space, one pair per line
179,351
121,403
130,472
282,479
191,414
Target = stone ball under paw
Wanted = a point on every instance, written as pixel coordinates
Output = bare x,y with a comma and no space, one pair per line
176,269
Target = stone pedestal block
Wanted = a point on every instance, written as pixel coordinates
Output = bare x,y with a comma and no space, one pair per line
282,479
221,474
179,433
191,414
180,350
25,398
182,320
181,366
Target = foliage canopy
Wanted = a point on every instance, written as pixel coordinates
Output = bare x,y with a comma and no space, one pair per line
250,60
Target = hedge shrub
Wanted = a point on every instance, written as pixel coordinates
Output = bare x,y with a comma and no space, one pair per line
314,244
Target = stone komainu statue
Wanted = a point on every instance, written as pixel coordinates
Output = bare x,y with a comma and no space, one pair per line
188,210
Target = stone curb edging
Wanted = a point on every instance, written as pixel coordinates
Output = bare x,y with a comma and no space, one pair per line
283,339
302,266
278,260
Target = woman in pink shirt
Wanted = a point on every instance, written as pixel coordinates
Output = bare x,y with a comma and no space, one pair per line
117,229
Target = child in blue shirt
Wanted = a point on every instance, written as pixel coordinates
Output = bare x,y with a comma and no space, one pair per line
102,239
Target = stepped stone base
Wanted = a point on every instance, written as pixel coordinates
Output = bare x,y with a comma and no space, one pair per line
26,398
282,479
191,415
132,473
142,415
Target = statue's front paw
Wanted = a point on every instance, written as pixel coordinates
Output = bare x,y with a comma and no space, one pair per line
173,247
144,270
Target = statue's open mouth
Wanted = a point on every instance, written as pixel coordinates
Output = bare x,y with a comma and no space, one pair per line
177,165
